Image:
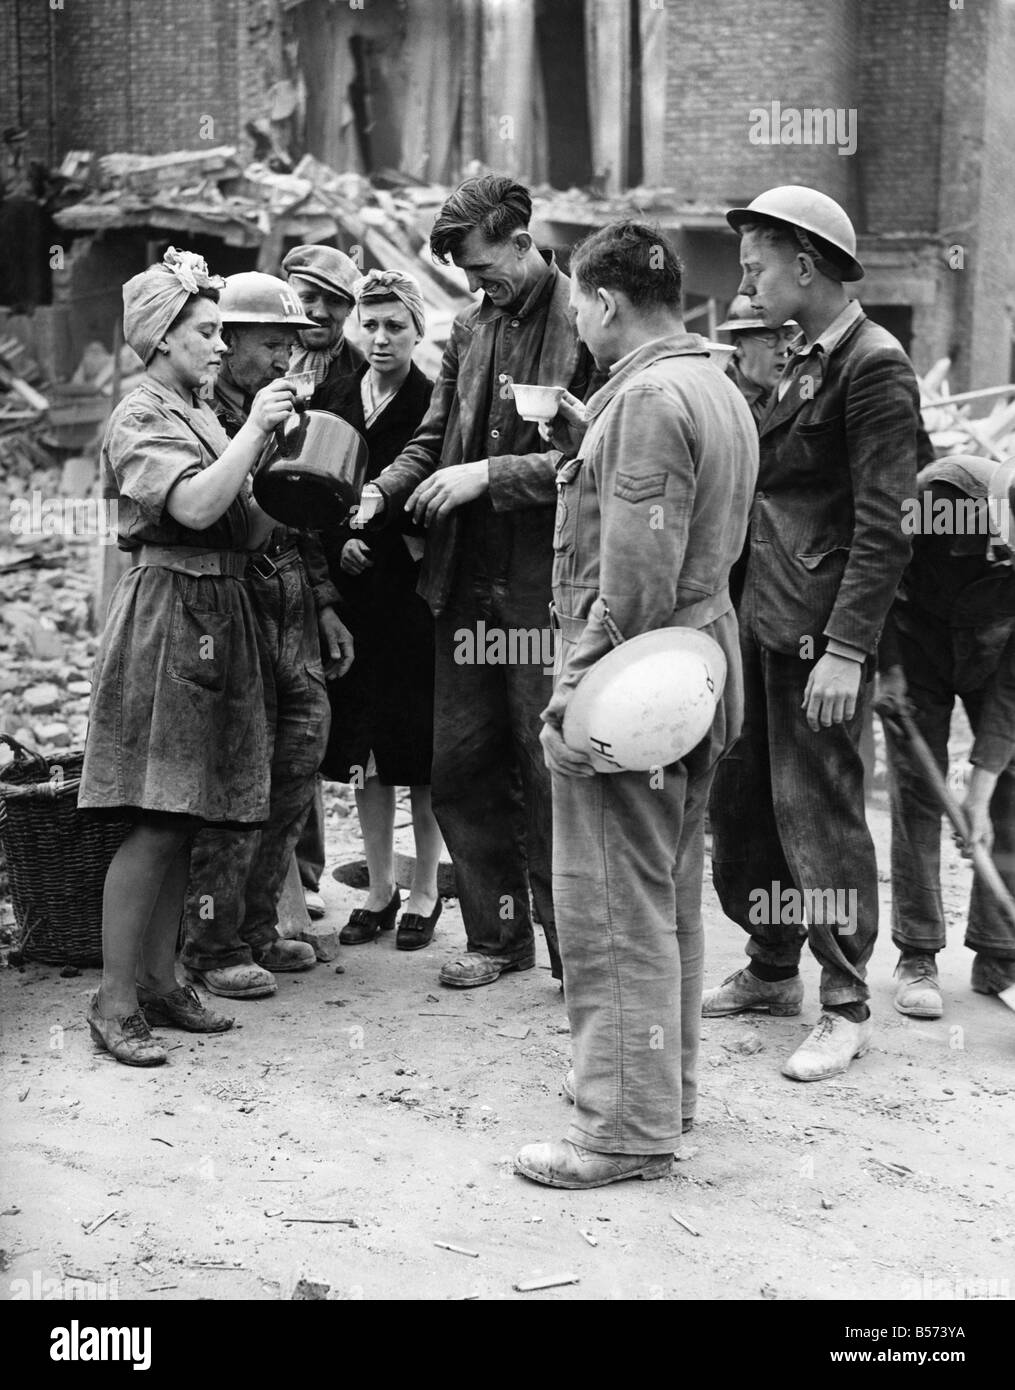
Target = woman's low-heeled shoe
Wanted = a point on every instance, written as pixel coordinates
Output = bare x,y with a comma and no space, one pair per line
364,925
126,1037
415,931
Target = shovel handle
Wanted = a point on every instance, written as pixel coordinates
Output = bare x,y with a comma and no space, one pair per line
897,717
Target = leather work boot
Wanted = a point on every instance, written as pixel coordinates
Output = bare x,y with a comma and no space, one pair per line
236,981
563,1164
181,1009
474,969
686,1125
284,955
918,994
829,1048
743,992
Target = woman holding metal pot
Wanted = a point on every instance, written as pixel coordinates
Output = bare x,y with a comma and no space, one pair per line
382,712
177,736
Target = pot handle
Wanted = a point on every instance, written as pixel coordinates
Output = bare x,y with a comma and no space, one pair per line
291,434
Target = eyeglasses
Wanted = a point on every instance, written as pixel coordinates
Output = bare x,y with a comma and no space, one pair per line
773,339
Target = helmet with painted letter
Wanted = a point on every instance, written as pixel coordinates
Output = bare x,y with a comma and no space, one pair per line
647,702
253,297
821,225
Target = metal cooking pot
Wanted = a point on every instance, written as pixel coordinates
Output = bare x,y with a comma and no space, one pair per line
313,472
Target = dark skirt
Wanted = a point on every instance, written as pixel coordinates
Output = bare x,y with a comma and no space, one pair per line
384,705
177,720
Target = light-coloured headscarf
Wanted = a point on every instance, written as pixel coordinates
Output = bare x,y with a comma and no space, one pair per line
152,300
392,284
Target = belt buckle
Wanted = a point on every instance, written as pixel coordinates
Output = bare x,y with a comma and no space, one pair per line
256,561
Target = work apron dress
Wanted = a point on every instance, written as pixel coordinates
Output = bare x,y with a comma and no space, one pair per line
177,720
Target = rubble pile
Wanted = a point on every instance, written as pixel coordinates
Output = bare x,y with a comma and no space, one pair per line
208,192
947,419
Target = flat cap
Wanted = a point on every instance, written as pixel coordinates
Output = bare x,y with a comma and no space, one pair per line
325,267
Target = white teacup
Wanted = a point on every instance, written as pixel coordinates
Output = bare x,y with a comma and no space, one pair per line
537,404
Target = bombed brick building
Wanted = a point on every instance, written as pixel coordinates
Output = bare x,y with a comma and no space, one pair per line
903,110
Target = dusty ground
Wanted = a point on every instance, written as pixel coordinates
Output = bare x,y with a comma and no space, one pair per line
379,1097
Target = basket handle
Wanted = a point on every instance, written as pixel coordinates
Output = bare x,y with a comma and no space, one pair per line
23,754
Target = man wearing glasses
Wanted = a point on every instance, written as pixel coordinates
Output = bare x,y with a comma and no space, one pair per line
760,353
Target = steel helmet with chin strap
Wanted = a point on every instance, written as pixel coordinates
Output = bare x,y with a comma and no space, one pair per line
820,224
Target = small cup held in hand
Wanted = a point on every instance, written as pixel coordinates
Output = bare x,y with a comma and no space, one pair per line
303,386
371,504
537,404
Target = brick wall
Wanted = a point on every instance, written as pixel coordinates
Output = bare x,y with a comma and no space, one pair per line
726,58
992,271
902,61
24,62
136,75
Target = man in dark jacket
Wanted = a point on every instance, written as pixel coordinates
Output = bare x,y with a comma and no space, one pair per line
792,857
482,479
951,632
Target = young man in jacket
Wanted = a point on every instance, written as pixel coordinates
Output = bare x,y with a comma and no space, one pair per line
793,860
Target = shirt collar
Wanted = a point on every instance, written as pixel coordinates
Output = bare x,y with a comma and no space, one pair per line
535,297
668,344
672,345
832,336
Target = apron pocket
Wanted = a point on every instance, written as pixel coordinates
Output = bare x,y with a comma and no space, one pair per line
199,646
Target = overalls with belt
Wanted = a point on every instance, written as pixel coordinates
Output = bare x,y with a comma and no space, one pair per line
650,518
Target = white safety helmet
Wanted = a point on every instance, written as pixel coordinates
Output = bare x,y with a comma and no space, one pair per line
648,702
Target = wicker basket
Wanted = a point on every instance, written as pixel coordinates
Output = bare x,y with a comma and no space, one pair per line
57,857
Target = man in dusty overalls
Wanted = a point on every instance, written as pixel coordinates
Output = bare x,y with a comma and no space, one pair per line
650,518
232,944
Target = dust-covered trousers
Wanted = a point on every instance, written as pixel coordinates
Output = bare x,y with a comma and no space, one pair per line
490,785
918,921
236,878
792,858
628,855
